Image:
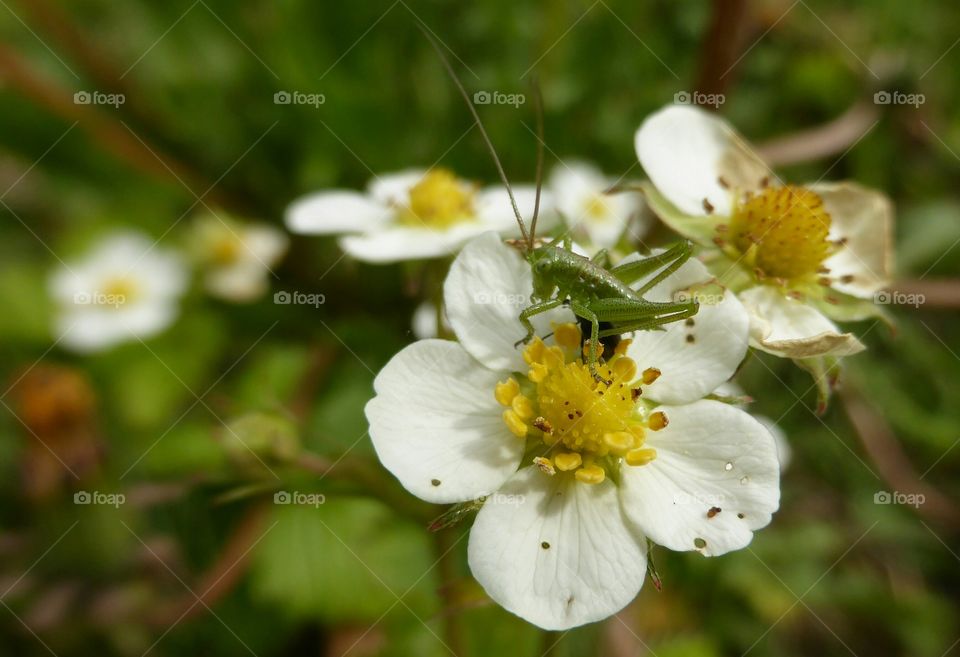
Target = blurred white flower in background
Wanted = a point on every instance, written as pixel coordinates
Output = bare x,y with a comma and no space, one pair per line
413,214
579,191
126,288
237,256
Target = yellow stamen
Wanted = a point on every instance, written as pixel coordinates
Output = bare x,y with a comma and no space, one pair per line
622,346
618,441
567,335
515,423
640,456
590,474
657,421
650,375
624,368
506,391
567,461
523,407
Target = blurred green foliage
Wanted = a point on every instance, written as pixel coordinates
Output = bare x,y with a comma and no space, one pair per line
834,573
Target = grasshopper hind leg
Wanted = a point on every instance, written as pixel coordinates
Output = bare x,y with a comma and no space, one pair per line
609,341
584,313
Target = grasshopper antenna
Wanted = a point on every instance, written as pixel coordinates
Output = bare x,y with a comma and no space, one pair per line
538,108
483,131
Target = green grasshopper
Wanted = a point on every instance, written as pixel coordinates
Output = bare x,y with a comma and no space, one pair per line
591,289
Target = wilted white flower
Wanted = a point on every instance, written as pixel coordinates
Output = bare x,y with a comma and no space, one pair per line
581,194
577,473
798,256
126,288
412,214
236,255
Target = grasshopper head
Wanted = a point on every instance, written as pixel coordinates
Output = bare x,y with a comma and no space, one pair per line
543,262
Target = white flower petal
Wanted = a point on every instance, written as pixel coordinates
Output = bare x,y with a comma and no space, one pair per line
789,327
493,209
265,244
711,456
576,187
239,283
394,188
489,284
396,243
864,217
436,425
693,356
686,150
556,552
335,211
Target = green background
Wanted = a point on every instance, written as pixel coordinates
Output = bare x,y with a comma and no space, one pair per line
198,560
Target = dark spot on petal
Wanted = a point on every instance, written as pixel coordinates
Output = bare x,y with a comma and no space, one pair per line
690,322
740,515
713,511
545,545
435,482
690,338
699,543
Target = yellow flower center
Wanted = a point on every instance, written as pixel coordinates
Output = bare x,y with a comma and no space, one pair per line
438,200
597,207
583,425
782,231
226,249
117,291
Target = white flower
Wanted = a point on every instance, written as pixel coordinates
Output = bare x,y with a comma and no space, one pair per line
798,256
561,540
237,255
580,193
412,214
126,288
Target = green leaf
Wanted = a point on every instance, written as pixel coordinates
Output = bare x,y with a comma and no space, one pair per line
345,560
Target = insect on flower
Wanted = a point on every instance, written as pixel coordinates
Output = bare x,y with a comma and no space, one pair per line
592,290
